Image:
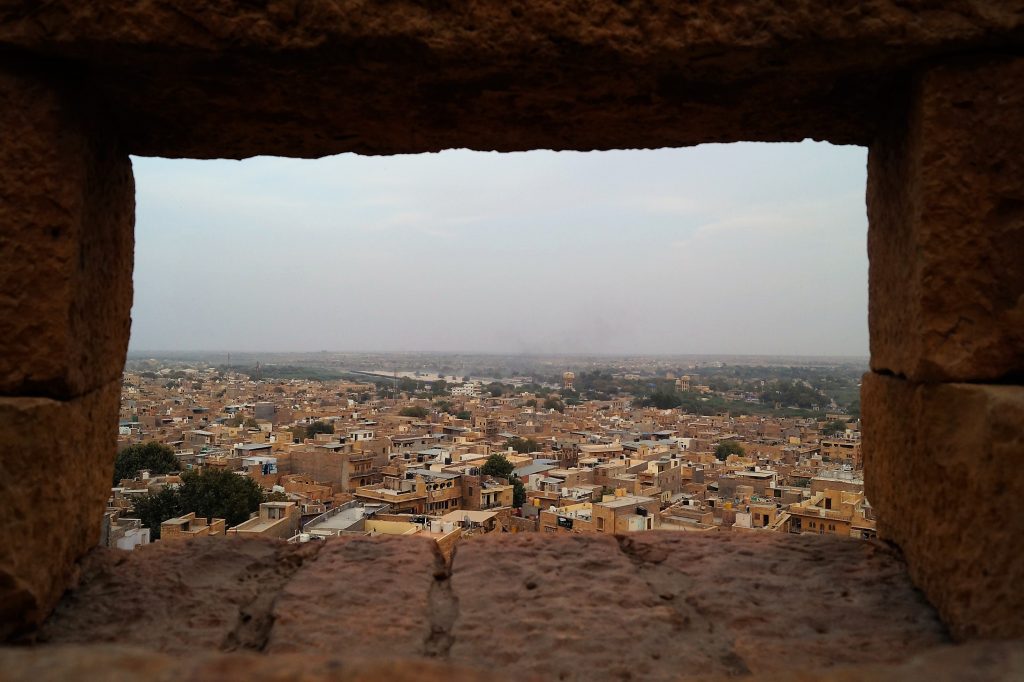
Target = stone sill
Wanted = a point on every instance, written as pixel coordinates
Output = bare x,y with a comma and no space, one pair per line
655,605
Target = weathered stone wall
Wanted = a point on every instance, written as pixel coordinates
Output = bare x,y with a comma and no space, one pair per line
204,78
652,606
924,84
946,245
67,205
981,661
66,249
947,481
946,210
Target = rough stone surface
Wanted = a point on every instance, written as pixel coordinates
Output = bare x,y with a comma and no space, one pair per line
83,84
976,662
647,606
943,471
568,609
946,244
176,597
843,601
232,78
108,663
66,214
650,605
358,594
57,459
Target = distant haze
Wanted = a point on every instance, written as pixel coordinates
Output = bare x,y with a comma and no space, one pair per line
718,249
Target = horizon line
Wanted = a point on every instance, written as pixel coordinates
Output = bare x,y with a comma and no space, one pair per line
498,353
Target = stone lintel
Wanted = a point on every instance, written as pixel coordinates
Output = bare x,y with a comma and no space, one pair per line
325,77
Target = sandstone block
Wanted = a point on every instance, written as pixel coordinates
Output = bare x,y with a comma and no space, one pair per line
119,663
763,591
721,604
279,78
946,238
210,593
680,604
66,246
58,458
359,595
580,596
976,662
943,472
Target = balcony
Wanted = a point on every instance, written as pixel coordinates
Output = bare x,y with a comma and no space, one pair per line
360,456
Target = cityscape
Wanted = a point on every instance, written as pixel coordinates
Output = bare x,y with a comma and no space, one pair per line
512,341
306,447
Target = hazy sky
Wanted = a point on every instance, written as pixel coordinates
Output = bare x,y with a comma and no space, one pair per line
733,249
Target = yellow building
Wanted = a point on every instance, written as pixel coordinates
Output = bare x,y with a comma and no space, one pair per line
420,491
830,512
275,520
616,514
842,450
188,527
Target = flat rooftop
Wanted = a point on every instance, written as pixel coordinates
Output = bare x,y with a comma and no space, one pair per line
340,521
257,525
627,501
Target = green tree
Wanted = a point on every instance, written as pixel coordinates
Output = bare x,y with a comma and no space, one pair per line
531,403
417,411
796,393
318,427
554,404
663,400
463,414
153,510
854,408
522,445
833,428
729,447
219,493
156,457
518,493
497,465
213,493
